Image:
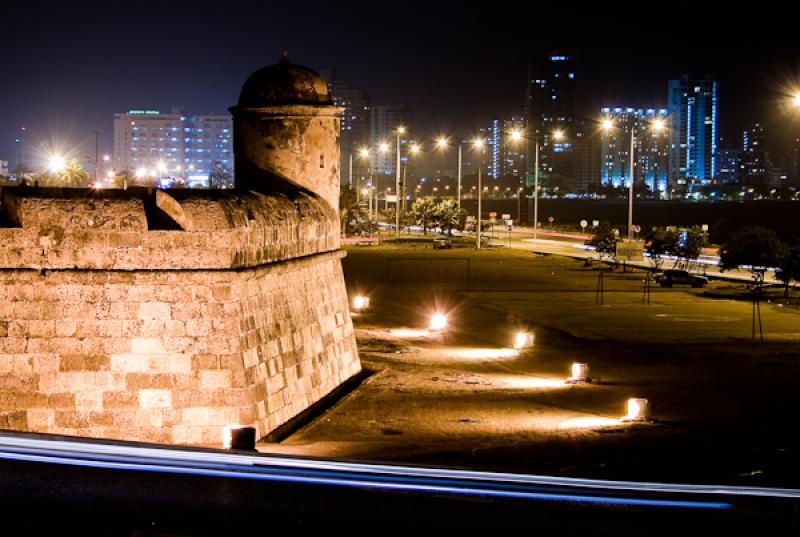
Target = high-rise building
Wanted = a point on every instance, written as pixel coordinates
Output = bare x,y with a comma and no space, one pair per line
383,120
587,157
550,107
650,145
793,163
174,145
504,156
729,161
693,131
354,125
754,158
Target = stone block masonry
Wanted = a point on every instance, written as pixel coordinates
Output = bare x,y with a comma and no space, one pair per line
171,356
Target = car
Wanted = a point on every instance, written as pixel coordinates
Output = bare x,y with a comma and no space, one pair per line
440,243
668,278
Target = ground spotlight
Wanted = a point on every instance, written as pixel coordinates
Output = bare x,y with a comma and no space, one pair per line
637,410
579,372
438,322
242,437
523,340
360,302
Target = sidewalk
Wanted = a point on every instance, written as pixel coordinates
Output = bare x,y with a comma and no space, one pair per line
709,264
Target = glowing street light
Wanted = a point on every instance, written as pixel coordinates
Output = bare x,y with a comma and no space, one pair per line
415,149
608,124
106,158
438,322
441,142
364,152
162,167
796,100
516,135
558,135
523,340
141,173
383,147
658,125
56,163
110,174
360,302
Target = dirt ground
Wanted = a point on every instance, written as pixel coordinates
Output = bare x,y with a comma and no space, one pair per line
723,405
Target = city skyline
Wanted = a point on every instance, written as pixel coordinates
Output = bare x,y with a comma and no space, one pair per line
70,91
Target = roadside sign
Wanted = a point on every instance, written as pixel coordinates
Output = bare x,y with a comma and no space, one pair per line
492,214
391,198
506,217
584,223
595,223
630,250
509,223
470,218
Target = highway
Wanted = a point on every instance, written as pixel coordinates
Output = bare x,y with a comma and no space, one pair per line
129,487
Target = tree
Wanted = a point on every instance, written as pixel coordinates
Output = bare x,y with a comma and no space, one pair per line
756,248
424,212
789,267
219,177
604,238
660,242
120,179
689,244
450,217
348,210
71,176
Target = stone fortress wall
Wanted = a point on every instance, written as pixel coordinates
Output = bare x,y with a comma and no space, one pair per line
167,336
163,316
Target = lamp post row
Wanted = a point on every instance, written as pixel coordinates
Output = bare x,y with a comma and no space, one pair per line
516,136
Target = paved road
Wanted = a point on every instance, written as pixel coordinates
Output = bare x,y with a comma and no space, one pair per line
115,488
572,245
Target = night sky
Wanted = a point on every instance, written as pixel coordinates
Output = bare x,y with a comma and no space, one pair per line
67,67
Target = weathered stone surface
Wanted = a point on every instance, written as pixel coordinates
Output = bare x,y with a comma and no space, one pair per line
279,340
227,230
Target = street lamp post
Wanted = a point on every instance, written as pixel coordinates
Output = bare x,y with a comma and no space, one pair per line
536,185
350,172
479,147
398,132
657,126
458,188
557,135
442,143
630,186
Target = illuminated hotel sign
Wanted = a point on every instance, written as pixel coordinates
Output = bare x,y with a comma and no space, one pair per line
144,112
